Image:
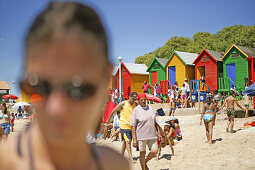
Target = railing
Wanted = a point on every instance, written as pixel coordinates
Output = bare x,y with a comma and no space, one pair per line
223,84
198,85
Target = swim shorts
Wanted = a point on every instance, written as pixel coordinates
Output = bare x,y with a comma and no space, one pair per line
184,96
208,117
126,133
231,112
6,128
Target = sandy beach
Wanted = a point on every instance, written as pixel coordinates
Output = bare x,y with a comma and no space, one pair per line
229,151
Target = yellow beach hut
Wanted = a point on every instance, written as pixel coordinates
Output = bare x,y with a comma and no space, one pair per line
180,66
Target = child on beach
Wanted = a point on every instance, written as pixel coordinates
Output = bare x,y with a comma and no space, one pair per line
223,97
178,130
167,138
245,99
172,100
216,97
12,122
116,127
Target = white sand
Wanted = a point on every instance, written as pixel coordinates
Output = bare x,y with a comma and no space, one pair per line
230,151
19,125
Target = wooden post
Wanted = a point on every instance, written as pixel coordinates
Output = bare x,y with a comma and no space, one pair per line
198,101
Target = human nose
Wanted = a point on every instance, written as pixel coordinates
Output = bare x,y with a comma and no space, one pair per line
56,104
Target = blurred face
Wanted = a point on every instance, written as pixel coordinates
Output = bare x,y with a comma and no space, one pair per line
60,117
142,101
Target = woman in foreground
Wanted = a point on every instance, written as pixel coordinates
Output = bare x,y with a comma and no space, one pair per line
67,68
209,116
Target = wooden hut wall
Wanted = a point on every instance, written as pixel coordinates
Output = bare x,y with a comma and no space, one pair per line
137,81
190,72
240,64
209,66
126,79
180,69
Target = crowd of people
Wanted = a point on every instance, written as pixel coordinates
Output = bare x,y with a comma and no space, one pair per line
135,120
62,49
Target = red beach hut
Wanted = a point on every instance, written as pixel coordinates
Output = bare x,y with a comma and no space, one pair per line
209,63
132,78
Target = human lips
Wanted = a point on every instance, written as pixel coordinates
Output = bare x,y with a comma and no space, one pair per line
60,125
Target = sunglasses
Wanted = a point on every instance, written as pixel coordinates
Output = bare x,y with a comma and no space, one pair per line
76,89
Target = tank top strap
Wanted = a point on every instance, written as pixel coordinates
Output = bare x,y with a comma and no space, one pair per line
95,156
19,145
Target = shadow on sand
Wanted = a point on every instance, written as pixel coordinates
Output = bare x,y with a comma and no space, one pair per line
218,139
234,131
166,156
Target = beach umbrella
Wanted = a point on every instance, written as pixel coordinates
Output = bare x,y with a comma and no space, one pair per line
151,97
250,91
10,96
22,104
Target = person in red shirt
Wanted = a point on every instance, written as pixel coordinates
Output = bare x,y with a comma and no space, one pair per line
108,109
146,87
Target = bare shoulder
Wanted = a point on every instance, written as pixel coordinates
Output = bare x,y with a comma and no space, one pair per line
8,155
111,159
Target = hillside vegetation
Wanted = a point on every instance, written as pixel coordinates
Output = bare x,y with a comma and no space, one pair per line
221,42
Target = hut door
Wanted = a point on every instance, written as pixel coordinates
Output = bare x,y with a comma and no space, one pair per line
172,74
200,72
153,80
231,73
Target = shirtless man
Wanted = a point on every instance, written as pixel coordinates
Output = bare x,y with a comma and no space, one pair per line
231,100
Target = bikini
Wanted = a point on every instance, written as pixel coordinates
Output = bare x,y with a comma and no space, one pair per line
31,158
207,116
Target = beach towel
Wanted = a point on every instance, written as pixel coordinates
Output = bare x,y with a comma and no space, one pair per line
108,109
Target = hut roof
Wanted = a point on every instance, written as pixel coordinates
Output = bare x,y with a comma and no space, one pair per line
162,61
136,68
187,58
250,52
4,85
215,54
115,69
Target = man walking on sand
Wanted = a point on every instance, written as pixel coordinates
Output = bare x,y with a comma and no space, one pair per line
231,100
126,109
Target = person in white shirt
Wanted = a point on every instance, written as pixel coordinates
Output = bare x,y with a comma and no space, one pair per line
184,96
187,86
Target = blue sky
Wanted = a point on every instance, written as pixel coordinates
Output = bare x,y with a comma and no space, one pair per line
135,27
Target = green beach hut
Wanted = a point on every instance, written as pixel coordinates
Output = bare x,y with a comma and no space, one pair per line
238,65
157,71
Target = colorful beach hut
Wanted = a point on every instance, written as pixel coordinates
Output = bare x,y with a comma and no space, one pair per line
132,78
4,89
157,71
180,66
238,65
113,81
209,64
